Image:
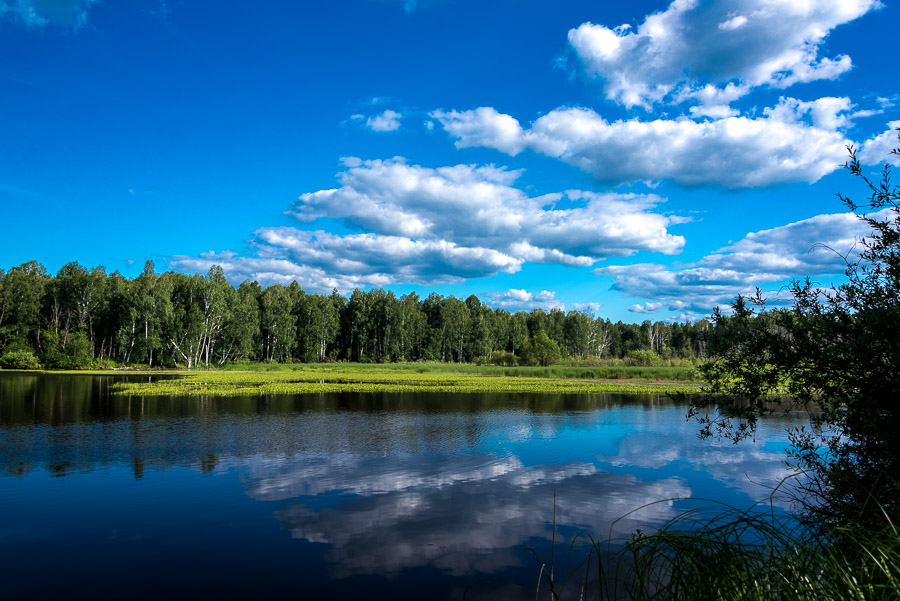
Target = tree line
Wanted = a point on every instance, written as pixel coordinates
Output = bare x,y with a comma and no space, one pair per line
83,317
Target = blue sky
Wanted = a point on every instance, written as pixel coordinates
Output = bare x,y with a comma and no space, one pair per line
645,160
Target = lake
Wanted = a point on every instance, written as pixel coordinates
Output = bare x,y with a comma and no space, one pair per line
338,496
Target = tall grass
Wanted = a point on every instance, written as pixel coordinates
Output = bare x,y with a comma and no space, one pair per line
612,371
721,553
596,372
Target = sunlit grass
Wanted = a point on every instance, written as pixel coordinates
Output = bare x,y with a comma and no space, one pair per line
340,377
588,372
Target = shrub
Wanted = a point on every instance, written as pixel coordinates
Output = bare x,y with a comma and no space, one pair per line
642,358
540,350
19,360
504,358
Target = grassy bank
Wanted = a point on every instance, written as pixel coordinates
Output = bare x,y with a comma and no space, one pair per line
412,377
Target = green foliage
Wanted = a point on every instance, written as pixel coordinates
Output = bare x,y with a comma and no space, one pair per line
19,360
837,351
21,292
504,358
642,358
540,350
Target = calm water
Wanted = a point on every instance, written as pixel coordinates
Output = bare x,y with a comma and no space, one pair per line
411,496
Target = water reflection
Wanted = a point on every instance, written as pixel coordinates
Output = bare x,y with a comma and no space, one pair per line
464,514
362,488
68,424
753,470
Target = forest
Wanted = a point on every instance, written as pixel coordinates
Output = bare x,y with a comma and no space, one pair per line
83,317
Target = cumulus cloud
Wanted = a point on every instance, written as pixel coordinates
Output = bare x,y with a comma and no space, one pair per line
716,51
38,13
811,247
647,307
519,299
321,261
879,147
387,121
522,300
444,225
483,126
270,270
792,142
479,206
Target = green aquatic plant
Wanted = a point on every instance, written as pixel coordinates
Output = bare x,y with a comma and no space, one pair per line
344,378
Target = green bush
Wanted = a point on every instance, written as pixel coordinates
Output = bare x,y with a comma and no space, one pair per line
504,358
540,350
642,358
19,360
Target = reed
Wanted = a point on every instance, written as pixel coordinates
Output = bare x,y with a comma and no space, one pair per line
718,552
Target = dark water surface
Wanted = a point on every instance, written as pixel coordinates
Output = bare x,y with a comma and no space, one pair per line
400,496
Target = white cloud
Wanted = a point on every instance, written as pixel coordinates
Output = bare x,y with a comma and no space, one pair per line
443,225
387,121
535,254
268,270
519,299
878,148
691,47
793,141
811,247
483,126
587,307
321,261
647,307
478,206
401,257
827,113
38,13
522,300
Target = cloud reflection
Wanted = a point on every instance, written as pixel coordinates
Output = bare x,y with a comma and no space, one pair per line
746,467
463,514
